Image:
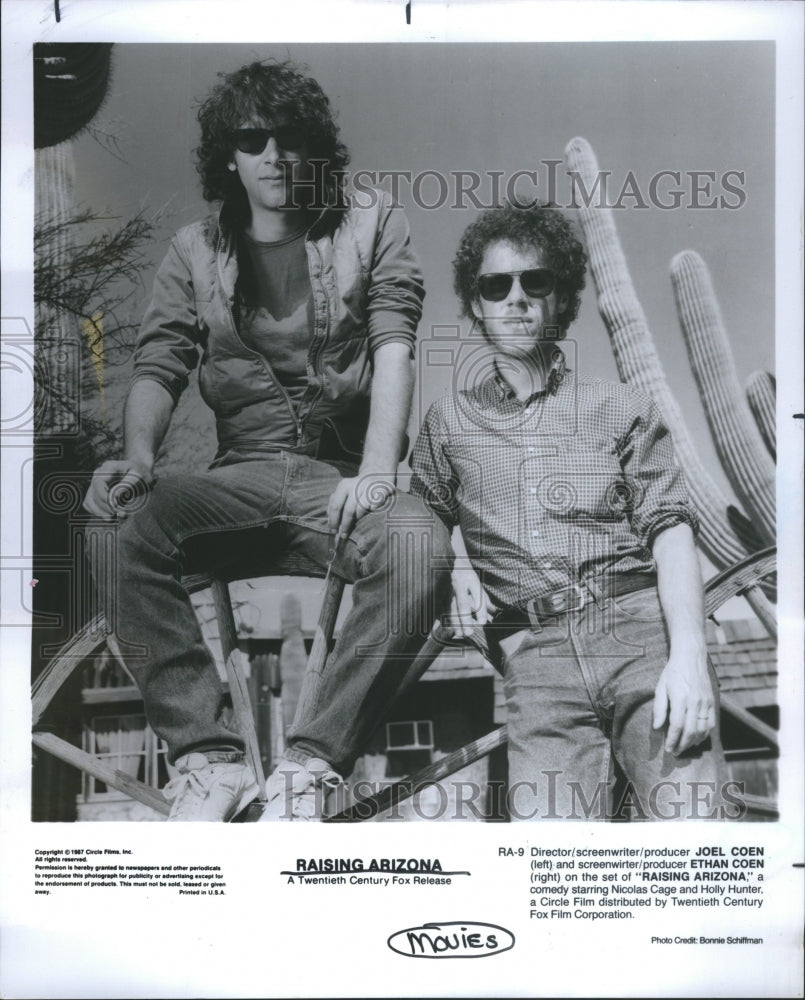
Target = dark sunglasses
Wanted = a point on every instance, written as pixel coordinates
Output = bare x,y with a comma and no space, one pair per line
537,283
255,140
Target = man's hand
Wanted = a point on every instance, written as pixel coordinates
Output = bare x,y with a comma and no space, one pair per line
471,606
357,496
115,484
684,697
392,384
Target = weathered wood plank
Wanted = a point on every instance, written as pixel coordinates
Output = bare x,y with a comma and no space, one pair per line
244,717
103,772
89,640
406,787
731,706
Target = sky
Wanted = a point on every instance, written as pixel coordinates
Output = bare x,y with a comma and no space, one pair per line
501,107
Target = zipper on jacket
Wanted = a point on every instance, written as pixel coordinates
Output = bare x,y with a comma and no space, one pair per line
296,421
323,344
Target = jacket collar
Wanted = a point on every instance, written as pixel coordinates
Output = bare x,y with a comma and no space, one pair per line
221,225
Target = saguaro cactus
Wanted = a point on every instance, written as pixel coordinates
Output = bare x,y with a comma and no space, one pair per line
55,327
761,394
639,364
738,443
70,82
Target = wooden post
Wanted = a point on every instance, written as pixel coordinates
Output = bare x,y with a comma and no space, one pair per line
321,646
238,690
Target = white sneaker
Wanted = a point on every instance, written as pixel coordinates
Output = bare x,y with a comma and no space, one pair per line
299,791
211,791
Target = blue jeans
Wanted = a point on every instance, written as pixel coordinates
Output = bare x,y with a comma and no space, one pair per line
398,559
580,696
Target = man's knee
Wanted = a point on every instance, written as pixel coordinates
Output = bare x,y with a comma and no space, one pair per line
152,524
406,530
441,564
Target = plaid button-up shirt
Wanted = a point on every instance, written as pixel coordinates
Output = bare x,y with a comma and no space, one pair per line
573,483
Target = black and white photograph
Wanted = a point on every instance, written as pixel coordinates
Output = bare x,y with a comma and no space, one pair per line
402,439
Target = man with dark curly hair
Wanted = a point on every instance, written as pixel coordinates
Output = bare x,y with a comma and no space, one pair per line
304,309
579,537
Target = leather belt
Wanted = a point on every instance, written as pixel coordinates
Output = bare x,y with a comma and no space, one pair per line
571,598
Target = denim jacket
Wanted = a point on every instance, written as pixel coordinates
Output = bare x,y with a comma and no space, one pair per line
362,268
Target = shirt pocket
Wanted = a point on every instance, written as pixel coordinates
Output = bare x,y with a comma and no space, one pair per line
585,485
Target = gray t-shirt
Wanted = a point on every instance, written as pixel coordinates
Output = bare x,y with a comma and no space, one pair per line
276,306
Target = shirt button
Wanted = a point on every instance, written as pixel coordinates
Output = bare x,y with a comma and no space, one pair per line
535,534
533,490
547,565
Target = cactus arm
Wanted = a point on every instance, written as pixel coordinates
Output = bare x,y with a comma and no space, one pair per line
639,364
70,84
55,328
738,443
761,394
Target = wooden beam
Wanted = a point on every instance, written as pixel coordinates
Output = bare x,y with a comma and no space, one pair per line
317,660
760,604
89,640
731,707
227,631
738,578
406,787
103,772
102,696
760,806
244,717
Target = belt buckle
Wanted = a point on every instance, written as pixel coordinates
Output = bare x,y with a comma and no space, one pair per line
549,603
533,620
580,593
548,600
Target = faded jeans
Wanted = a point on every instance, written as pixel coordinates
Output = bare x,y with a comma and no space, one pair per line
580,697
397,558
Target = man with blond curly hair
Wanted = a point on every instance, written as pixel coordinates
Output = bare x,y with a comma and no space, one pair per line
579,537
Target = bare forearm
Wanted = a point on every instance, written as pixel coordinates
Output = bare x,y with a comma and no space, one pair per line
684,697
680,587
117,481
392,387
147,417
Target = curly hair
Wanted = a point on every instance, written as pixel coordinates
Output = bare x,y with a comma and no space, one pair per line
265,91
538,226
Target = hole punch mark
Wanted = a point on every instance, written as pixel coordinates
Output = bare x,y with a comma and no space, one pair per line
57,10
407,12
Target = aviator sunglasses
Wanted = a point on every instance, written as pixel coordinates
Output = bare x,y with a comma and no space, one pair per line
536,282
255,140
